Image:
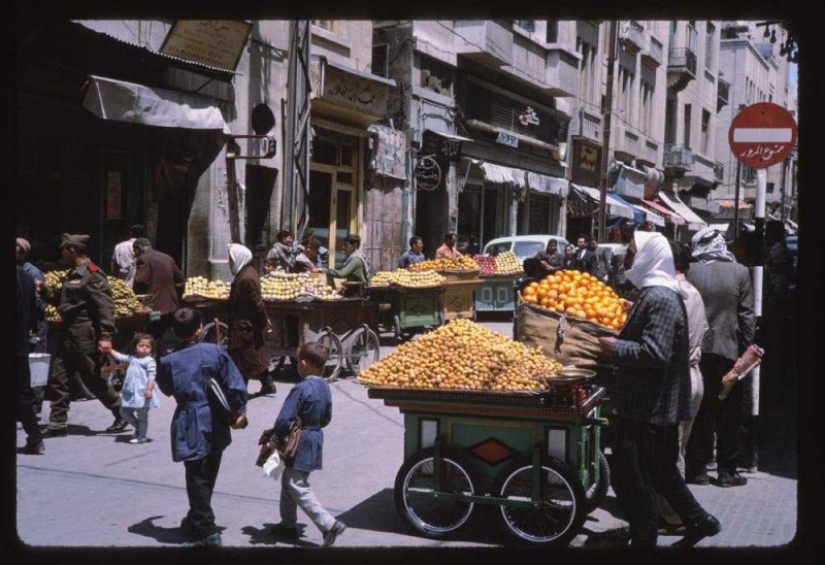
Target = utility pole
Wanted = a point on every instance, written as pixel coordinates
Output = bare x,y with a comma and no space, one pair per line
607,113
736,202
294,204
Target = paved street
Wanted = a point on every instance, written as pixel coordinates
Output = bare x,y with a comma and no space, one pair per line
94,490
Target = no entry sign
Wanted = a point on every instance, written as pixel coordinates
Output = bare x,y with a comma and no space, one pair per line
762,134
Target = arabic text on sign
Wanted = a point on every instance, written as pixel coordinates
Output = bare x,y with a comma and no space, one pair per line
507,139
529,117
762,152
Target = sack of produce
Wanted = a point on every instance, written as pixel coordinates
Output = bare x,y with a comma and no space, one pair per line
572,341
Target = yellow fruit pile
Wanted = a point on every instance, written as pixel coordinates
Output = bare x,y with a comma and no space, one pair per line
201,286
578,294
463,355
124,298
289,286
508,264
463,263
408,278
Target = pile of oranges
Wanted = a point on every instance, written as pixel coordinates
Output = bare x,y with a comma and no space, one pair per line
580,295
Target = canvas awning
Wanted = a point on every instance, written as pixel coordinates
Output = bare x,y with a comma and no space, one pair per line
120,101
548,185
502,175
650,215
669,215
613,206
638,215
694,222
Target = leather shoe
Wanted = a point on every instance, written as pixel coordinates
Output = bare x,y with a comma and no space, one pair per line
701,478
212,540
731,479
55,431
668,529
34,448
118,426
336,530
708,527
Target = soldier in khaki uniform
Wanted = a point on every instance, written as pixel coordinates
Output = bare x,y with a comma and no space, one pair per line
87,309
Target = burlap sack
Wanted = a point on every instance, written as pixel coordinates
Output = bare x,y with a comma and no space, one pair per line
579,344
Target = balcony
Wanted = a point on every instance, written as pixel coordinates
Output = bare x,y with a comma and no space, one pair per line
678,159
653,55
722,93
681,68
632,35
719,172
486,42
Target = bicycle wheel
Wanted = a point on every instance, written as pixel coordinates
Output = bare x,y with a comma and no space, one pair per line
364,350
335,360
415,489
598,489
550,514
216,332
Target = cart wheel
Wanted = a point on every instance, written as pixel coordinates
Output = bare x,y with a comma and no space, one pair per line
335,361
415,494
396,329
558,514
216,332
598,489
364,350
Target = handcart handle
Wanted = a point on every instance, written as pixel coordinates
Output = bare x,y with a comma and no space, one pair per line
596,421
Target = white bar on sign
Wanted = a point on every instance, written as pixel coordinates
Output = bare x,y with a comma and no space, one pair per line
762,135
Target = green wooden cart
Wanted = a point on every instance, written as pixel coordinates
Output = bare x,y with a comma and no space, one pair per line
404,311
535,455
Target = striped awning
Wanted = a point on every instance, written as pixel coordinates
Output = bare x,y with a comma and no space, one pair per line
548,185
504,175
650,215
694,222
669,215
613,206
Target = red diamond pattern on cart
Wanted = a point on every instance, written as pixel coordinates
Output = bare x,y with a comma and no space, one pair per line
492,451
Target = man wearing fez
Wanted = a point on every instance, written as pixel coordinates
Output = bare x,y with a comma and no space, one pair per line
87,310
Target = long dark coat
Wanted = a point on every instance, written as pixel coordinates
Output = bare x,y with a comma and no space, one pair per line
247,323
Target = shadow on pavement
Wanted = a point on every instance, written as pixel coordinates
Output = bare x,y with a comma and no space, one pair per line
263,536
160,534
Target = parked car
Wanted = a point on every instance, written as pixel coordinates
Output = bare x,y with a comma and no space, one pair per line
523,246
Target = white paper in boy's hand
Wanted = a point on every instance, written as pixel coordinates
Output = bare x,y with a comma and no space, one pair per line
273,466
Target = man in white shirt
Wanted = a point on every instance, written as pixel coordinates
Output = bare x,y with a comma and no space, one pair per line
123,257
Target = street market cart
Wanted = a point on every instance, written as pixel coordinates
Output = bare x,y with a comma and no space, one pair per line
457,300
403,311
496,293
534,455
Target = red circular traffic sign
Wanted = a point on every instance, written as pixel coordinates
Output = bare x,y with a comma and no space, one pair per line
762,134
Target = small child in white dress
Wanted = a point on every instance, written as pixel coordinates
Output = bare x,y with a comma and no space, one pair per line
137,395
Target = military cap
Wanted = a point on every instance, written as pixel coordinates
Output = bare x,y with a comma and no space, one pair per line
70,239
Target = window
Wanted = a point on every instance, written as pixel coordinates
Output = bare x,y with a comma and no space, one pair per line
552,31
646,110
705,131
692,36
527,25
587,82
769,187
626,93
328,25
380,60
748,174
436,76
686,129
710,46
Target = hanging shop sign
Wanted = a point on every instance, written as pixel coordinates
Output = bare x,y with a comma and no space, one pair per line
215,43
444,146
427,173
528,117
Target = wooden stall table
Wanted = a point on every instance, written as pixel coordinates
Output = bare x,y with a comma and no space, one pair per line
457,301
496,293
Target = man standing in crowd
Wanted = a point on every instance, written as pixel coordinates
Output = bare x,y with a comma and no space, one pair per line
41,345
355,269
726,290
157,274
281,258
778,308
413,255
88,322
550,260
585,258
26,314
447,249
651,396
123,257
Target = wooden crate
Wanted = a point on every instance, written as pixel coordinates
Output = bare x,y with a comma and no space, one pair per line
458,301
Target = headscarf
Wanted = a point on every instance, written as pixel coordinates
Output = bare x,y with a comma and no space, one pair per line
708,245
24,245
653,263
241,256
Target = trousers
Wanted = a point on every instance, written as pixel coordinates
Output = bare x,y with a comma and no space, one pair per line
138,418
201,475
644,466
295,492
25,401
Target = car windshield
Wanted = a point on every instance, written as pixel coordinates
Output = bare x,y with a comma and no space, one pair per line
525,249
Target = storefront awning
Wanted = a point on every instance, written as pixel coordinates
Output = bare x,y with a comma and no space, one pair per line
694,222
503,175
132,103
669,215
613,206
548,185
650,215
638,215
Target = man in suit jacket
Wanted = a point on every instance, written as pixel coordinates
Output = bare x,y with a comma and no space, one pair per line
725,287
585,258
157,273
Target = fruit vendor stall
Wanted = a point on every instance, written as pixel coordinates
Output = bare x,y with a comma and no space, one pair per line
462,279
408,302
302,308
499,276
492,422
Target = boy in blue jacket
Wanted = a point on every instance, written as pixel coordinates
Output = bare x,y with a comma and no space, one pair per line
311,400
200,426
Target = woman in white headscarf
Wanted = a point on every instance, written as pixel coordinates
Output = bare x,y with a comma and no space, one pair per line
248,320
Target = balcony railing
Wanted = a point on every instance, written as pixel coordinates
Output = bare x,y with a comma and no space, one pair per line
682,58
678,157
653,56
722,93
632,35
719,171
